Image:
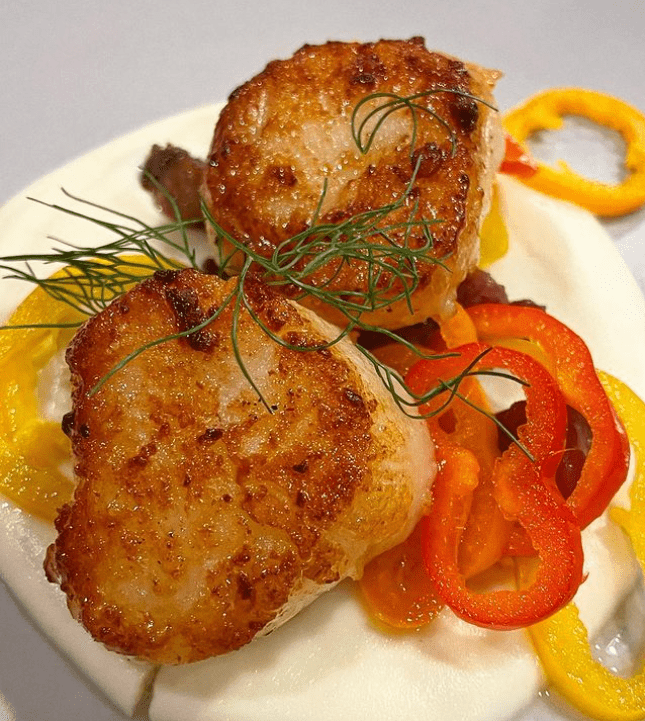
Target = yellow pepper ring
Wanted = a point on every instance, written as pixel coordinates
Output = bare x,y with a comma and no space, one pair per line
31,448
561,641
544,111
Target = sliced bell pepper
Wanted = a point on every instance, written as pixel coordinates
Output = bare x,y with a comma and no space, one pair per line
465,425
521,489
562,641
396,588
493,234
606,464
487,530
459,329
544,111
631,410
32,448
517,160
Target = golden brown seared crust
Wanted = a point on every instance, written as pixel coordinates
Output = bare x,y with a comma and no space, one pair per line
288,130
201,520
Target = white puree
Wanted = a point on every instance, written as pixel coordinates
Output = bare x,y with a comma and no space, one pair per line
330,662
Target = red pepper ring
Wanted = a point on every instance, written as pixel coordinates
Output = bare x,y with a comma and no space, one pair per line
517,160
488,534
607,462
544,433
549,524
523,492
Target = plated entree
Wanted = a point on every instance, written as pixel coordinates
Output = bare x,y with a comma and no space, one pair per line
248,432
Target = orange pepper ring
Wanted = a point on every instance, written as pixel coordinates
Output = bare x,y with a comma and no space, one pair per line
545,111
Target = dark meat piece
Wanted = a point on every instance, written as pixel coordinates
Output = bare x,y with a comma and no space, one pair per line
180,174
480,287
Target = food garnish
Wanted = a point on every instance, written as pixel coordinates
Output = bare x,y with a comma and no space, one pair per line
31,447
545,111
572,367
562,641
103,273
517,160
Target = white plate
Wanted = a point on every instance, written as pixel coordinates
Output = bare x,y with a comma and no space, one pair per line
322,665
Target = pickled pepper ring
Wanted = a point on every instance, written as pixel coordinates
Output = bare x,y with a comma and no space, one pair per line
545,111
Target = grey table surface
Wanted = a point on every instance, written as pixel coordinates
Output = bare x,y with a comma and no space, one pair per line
76,75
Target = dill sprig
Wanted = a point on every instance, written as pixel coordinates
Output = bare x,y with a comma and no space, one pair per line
365,131
367,238
364,135
94,276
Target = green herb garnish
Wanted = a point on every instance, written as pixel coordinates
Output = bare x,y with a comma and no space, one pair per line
98,275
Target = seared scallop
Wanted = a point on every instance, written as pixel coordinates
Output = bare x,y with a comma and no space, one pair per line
284,157
205,514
